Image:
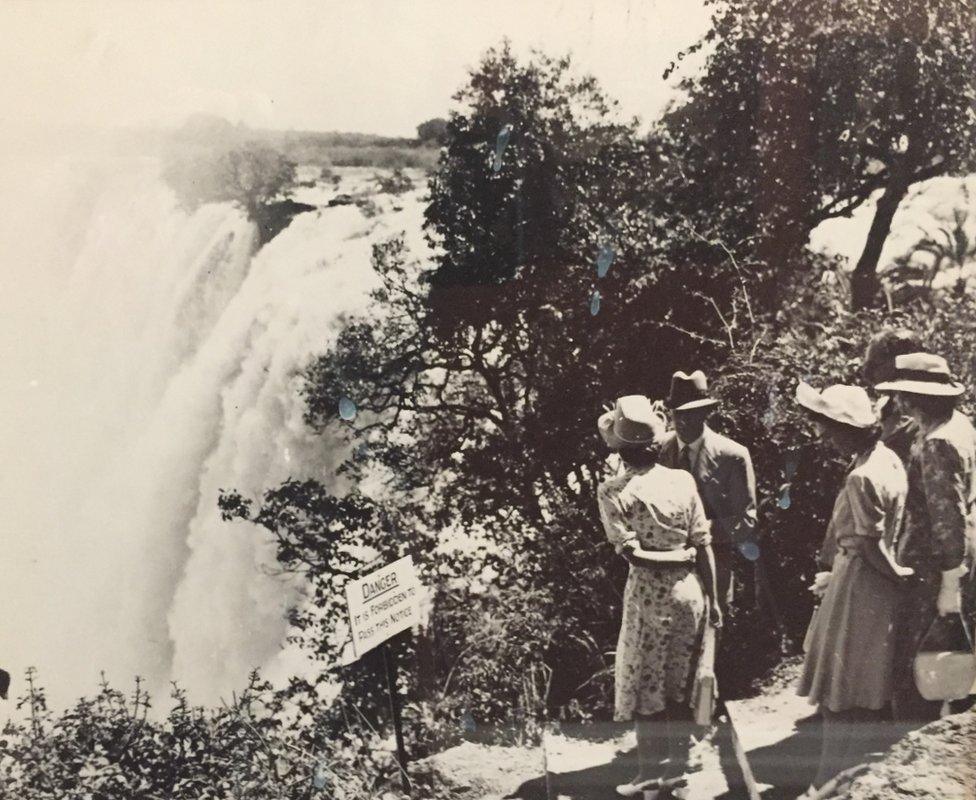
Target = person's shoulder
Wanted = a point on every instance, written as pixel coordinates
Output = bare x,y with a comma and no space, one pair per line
726,446
679,478
668,439
612,485
882,469
955,435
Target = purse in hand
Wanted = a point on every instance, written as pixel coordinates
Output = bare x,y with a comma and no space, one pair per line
705,689
945,674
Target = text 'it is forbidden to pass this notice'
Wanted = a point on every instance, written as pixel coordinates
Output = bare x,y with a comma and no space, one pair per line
383,603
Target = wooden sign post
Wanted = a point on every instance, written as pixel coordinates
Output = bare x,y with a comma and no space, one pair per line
381,605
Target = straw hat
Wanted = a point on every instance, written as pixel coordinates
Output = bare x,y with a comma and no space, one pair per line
632,422
847,404
689,391
922,373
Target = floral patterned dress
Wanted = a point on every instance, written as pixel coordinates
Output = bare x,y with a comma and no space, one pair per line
663,607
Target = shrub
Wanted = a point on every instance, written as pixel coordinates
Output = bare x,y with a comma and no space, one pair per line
110,747
396,183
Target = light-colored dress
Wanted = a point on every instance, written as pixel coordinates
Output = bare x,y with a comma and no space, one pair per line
851,639
663,607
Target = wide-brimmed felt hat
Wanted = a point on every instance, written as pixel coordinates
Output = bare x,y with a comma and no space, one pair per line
840,403
633,421
689,391
922,373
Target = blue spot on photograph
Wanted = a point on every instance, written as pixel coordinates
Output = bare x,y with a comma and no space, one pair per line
750,550
501,142
347,409
604,260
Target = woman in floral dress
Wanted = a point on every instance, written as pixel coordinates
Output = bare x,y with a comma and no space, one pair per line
654,518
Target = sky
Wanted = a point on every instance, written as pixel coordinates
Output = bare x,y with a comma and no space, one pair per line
374,66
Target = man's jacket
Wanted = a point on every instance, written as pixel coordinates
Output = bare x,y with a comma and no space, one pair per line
726,482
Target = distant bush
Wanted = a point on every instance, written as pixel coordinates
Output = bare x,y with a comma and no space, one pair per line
433,131
395,183
383,157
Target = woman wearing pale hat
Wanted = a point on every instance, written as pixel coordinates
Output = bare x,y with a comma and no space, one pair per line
940,529
848,669
654,518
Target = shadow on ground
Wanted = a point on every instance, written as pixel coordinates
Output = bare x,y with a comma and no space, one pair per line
595,783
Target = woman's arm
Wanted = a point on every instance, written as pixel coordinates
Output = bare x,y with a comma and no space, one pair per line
706,568
700,537
870,526
642,557
619,533
880,558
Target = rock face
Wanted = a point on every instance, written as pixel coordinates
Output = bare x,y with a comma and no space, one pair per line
937,762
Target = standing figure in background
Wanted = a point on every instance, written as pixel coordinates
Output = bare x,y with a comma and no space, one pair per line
938,537
722,470
654,518
850,646
898,429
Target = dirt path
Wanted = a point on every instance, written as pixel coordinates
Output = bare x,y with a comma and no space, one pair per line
585,762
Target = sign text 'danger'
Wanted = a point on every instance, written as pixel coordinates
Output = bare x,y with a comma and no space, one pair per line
382,604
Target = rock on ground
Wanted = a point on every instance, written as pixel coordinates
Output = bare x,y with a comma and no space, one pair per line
937,762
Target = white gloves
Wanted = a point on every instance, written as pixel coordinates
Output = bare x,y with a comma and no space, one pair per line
820,582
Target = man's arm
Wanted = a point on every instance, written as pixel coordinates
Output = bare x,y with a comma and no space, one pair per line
740,520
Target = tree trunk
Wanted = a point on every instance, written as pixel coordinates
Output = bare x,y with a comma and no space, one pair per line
864,280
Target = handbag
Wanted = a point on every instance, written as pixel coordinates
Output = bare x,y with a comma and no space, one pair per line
705,689
945,674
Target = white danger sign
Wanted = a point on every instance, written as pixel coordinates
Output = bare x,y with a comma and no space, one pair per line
383,603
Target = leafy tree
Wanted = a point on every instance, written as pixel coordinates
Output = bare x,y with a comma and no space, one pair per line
806,110
433,131
478,376
252,177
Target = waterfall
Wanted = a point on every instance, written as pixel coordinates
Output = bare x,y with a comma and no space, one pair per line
150,358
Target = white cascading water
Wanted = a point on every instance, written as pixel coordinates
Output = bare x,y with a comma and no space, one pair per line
150,359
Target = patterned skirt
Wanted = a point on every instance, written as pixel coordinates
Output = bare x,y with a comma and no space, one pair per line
663,619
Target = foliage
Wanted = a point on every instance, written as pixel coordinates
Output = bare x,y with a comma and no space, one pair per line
111,748
396,183
433,131
804,110
251,177
472,373
479,374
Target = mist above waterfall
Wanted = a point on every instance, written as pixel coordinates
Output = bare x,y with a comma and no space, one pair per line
150,358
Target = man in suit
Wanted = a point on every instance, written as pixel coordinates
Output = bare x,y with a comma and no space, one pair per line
722,470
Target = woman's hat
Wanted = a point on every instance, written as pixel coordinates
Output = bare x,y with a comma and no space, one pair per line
922,373
847,404
689,391
632,422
